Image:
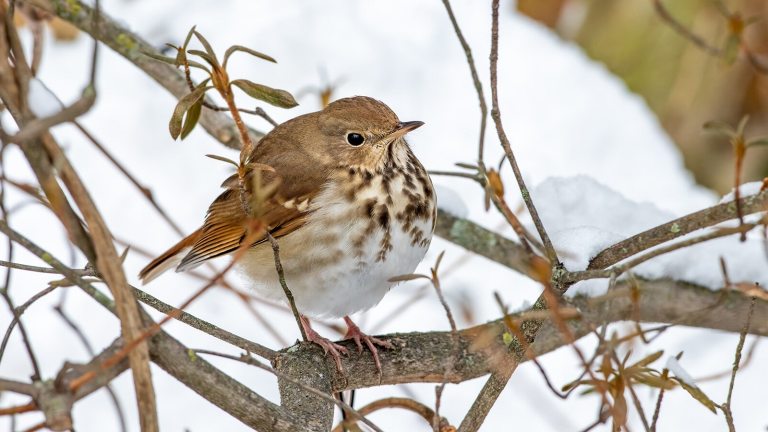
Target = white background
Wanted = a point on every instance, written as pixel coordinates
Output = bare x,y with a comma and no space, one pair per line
565,116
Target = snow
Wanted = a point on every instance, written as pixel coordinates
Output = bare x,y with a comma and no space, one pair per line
745,189
598,164
42,102
450,201
677,370
584,217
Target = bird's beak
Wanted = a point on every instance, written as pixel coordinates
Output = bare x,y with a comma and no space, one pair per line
403,128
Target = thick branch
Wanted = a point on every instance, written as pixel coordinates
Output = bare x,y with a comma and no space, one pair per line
421,357
481,241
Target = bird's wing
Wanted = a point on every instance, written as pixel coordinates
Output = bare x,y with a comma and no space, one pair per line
225,226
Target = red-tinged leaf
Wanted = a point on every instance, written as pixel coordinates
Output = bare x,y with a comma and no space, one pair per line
234,48
190,120
620,407
184,104
276,97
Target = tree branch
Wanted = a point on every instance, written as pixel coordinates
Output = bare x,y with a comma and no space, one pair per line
678,227
133,48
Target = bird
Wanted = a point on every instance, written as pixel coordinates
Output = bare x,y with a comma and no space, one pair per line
352,209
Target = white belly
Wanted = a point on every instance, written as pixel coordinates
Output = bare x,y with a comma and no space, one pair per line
341,260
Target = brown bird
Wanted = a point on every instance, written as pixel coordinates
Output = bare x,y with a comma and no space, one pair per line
353,209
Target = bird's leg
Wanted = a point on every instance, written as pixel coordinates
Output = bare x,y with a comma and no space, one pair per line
354,332
335,350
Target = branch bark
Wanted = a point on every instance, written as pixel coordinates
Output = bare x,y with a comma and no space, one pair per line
133,48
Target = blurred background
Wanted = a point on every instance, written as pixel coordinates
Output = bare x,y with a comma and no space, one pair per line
680,82
587,87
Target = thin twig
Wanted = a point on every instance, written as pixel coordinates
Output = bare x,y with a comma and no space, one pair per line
475,81
450,366
621,268
17,312
27,267
204,326
676,228
726,407
132,344
403,403
657,410
89,349
683,31
496,115
286,290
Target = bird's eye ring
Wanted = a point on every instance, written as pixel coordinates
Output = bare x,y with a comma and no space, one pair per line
355,139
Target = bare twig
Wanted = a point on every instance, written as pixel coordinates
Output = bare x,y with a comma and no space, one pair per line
683,31
89,348
132,47
726,407
496,115
17,312
475,81
676,228
403,403
27,267
204,326
286,290
617,270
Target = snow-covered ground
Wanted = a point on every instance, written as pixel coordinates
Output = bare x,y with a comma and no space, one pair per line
599,164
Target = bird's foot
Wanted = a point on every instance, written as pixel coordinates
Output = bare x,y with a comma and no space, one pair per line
334,349
354,333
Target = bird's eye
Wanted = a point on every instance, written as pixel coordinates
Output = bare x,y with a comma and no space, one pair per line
355,139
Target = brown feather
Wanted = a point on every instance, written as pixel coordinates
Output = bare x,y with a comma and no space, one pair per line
303,152
160,264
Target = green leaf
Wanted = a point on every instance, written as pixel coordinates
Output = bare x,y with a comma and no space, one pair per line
193,115
742,125
207,47
231,50
203,55
698,395
223,159
188,38
758,142
731,49
184,105
720,127
276,97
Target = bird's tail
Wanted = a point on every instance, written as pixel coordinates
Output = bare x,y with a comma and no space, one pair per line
170,259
